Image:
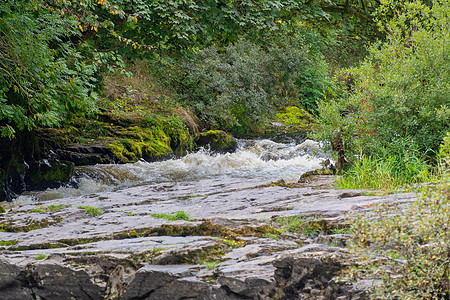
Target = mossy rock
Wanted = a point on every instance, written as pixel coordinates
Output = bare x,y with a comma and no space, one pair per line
217,140
2,210
293,119
148,143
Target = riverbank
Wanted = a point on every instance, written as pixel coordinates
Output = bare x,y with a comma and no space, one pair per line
126,128
234,242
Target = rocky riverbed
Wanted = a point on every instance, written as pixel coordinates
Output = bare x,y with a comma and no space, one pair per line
236,243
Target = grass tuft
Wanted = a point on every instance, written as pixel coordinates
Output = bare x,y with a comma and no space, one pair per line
92,211
40,256
179,215
50,208
211,265
387,173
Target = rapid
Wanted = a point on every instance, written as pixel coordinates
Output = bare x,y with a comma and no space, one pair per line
254,159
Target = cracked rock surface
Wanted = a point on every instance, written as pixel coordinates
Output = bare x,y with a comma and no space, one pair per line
230,248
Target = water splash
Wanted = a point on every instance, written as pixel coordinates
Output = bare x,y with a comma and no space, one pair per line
263,159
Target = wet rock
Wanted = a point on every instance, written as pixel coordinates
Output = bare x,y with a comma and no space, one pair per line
165,282
86,155
217,140
13,282
29,162
306,273
48,174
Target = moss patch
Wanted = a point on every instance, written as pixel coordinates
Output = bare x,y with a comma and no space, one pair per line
8,243
50,208
206,228
38,246
295,119
10,226
217,140
91,211
141,142
57,172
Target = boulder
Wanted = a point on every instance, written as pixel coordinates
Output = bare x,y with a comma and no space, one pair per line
217,140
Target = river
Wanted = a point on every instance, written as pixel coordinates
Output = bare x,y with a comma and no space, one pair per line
254,159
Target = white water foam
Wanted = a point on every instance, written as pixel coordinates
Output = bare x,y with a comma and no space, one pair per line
253,159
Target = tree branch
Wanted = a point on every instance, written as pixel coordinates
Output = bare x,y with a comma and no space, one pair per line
15,80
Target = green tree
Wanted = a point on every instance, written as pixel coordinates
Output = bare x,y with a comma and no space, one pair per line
52,50
397,101
240,87
43,78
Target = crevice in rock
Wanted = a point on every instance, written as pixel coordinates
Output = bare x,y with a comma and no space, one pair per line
231,293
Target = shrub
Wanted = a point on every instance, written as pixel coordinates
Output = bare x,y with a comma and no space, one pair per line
241,86
397,100
407,248
44,80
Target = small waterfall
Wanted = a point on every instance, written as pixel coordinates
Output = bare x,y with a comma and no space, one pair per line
253,159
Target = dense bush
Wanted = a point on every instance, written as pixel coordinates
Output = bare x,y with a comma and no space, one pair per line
397,101
43,79
241,86
407,248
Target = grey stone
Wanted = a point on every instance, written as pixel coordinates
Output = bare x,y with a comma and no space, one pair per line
126,253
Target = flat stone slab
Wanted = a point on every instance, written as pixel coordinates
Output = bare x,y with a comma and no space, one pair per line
230,248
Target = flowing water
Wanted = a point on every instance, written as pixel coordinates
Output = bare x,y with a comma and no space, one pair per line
254,159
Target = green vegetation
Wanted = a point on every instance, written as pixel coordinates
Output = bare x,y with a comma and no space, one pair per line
130,213
407,247
91,211
60,59
148,78
50,208
30,224
385,173
295,118
179,215
217,140
240,87
8,243
157,249
307,226
232,243
271,236
211,265
44,79
386,118
40,256
291,224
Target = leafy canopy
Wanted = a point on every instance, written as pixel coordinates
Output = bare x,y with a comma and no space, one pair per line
51,51
397,101
43,78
